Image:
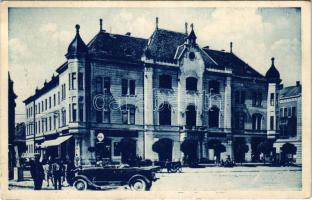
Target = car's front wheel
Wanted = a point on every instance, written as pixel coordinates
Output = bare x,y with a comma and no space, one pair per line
138,184
80,184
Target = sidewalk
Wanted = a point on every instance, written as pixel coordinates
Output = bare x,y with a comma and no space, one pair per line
29,184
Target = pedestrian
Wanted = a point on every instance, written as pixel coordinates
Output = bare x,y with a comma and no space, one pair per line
49,170
215,160
57,174
37,173
69,172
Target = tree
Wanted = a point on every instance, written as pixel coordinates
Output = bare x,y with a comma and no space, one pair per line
164,149
189,148
265,147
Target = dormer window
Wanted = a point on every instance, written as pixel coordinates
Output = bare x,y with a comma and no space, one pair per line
192,55
165,81
191,84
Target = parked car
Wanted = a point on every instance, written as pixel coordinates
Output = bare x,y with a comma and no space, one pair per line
137,178
172,167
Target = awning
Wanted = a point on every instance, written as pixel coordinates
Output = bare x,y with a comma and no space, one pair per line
55,142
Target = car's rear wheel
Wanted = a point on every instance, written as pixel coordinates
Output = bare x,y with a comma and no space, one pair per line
80,184
138,184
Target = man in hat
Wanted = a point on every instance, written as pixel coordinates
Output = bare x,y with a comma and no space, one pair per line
37,172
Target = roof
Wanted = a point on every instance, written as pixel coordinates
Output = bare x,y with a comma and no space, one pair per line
290,91
77,47
46,87
272,74
117,46
225,59
164,43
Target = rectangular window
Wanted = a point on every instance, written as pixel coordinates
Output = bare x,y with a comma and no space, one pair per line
165,81
99,116
42,106
289,112
50,123
74,81
294,112
99,85
46,104
254,99
74,107
124,87
54,100
42,121
50,103
80,81
107,84
107,116
236,97
281,113
70,112
58,98
259,99
81,112
285,112
54,121
39,127
132,87
271,123
64,91
69,81
272,99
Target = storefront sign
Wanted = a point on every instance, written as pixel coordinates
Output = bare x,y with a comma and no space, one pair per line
100,137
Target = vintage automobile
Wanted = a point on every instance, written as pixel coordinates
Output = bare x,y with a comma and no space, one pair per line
137,178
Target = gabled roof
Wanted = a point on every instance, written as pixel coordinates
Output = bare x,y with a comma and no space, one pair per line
238,66
164,43
114,46
46,87
290,91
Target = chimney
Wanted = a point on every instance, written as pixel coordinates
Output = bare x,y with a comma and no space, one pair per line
231,47
156,23
206,47
186,32
101,24
298,83
128,34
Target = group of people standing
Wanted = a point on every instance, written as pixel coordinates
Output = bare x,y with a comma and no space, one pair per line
55,170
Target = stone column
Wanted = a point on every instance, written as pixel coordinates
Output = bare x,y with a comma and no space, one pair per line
140,144
229,149
176,153
149,141
228,103
92,143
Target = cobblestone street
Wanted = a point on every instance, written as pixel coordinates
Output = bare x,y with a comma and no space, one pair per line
213,179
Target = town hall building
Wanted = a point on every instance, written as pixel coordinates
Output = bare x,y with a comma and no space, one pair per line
158,98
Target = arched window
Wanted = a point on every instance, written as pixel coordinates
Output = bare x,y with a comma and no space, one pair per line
128,114
256,121
191,83
165,114
165,81
214,117
190,115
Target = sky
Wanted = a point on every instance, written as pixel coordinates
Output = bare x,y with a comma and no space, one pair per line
39,37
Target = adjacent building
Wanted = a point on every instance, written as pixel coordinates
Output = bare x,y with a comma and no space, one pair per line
159,98
289,142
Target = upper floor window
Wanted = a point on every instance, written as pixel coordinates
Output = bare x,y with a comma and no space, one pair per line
214,87
165,114
256,99
74,112
256,121
239,121
272,99
50,103
165,81
128,114
99,85
240,97
74,81
191,84
293,111
213,117
127,87
54,100
81,112
46,104
190,115
107,84
271,123
80,81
